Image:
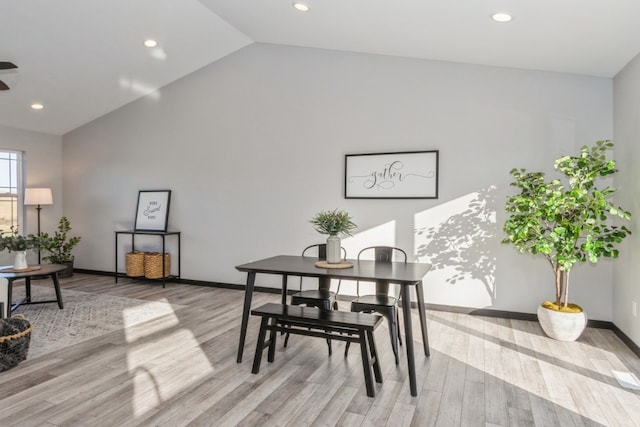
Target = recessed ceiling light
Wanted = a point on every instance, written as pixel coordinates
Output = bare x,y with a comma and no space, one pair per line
501,17
301,7
150,43
37,106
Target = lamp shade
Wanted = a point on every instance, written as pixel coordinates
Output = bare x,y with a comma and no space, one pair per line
38,196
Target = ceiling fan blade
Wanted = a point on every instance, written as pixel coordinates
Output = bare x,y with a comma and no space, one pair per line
7,65
3,86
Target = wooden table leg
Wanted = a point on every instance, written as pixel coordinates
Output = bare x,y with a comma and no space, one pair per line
408,333
324,282
284,289
27,288
56,285
423,318
248,294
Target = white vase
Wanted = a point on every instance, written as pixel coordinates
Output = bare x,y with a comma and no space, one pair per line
20,261
333,250
562,326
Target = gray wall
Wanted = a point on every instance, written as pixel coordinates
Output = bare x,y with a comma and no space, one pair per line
253,146
43,165
627,134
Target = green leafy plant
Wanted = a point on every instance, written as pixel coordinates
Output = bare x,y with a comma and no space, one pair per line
333,222
58,245
566,224
12,241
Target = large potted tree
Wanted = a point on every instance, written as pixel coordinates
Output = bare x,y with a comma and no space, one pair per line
59,247
566,223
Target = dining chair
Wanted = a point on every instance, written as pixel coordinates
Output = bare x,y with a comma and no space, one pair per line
381,302
323,299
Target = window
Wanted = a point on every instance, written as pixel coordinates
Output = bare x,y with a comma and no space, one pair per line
10,188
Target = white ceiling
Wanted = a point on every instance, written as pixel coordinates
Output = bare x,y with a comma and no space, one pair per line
85,58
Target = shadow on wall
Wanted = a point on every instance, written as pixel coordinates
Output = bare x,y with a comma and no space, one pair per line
458,238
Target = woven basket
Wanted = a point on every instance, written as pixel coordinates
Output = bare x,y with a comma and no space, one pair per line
153,265
135,264
15,336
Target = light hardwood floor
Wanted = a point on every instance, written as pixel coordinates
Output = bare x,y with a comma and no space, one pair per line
181,370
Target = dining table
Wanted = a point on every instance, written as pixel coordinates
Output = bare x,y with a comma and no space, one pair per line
407,275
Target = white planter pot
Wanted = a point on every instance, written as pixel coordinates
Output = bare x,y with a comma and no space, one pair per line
20,261
562,326
333,250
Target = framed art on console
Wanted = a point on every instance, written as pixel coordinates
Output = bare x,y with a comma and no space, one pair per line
152,213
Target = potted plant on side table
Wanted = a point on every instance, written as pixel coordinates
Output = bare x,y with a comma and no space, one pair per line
59,247
566,224
333,223
14,242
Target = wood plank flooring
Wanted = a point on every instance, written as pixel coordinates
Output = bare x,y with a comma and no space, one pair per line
180,370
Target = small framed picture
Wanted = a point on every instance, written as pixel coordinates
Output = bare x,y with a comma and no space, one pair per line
152,213
402,175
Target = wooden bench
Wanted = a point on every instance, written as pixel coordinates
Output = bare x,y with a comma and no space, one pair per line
309,321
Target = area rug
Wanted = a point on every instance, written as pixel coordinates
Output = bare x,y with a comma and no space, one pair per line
85,316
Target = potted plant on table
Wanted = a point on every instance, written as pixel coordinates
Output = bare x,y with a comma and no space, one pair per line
333,223
59,247
566,224
12,241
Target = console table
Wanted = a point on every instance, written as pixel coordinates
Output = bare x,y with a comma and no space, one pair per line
162,235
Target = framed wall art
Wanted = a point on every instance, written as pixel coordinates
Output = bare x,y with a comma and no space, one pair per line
402,175
152,213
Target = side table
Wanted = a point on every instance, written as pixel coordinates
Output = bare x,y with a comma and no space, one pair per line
50,270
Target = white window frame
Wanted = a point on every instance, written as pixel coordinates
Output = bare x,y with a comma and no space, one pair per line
15,189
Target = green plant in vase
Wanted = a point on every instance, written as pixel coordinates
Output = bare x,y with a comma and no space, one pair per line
59,246
333,223
13,241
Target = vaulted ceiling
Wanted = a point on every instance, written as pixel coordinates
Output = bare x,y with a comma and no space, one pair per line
84,58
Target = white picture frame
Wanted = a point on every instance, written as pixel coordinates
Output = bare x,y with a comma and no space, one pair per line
401,175
152,212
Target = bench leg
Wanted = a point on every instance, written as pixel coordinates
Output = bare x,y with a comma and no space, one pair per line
272,342
374,355
260,345
366,364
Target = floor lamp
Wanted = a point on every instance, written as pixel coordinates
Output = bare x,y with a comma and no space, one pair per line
38,197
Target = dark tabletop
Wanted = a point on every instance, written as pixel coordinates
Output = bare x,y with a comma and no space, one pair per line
361,270
44,270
